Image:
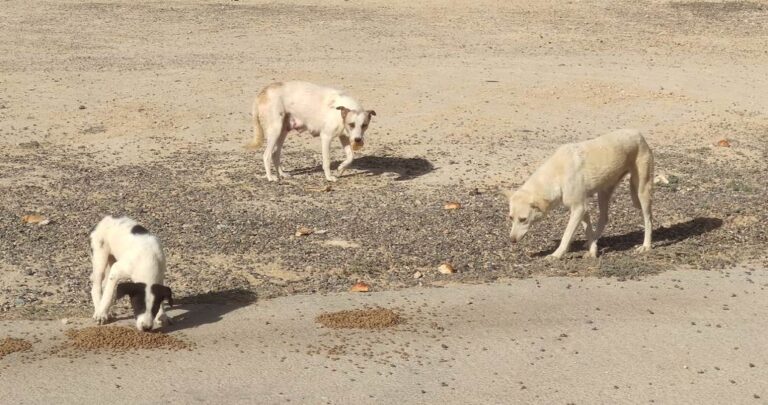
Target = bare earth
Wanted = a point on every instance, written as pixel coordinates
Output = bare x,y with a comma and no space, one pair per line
142,109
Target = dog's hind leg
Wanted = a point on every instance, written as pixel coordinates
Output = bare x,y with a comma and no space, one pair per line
350,154
276,154
641,182
273,130
577,215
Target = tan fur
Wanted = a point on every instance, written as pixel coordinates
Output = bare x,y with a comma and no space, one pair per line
262,99
577,171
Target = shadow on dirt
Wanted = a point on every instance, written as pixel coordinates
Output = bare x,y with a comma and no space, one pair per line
661,236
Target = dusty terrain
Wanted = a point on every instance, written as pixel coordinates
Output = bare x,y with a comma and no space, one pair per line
142,109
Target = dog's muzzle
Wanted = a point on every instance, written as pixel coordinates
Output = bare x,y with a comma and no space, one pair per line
357,143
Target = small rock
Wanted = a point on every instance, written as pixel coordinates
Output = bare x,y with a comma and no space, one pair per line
82,107
661,179
64,321
724,143
417,275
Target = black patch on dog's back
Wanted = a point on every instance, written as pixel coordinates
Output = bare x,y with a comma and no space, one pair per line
139,230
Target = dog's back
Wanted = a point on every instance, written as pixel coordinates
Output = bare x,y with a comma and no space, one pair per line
604,161
123,237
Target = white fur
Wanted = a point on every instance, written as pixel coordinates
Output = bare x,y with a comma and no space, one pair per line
576,172
322,111
137,257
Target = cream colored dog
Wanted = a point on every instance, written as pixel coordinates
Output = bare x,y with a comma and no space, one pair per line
323,111
577,171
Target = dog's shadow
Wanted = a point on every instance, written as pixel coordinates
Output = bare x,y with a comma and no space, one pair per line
661,236
202,309
404,168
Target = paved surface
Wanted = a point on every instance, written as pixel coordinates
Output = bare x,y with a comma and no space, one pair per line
679,337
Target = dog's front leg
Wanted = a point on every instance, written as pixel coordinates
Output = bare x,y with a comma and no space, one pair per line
577,213
100,263
101,314
325,141
350,154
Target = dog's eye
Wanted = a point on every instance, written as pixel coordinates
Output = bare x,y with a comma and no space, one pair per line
352,125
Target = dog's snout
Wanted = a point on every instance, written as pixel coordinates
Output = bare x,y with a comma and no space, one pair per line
146,328
357,140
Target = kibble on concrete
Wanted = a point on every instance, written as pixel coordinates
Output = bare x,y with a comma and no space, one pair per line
369,318
13,345
121,338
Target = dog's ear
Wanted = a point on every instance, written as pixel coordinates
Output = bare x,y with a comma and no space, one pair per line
163,293
130,289
344,111
372,113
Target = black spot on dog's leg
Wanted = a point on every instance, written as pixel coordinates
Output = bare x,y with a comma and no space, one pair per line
139,230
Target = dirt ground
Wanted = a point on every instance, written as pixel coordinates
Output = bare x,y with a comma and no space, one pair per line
142,109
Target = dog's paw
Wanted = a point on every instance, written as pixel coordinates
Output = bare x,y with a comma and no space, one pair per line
161,321
332,179
590,255
555,256
272,178
101,317
642,249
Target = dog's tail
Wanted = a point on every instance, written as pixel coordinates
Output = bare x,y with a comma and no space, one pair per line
258,132
641,173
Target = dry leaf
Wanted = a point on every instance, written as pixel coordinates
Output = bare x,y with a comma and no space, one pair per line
35,219
452,205
446,268
304,231
360,287
724,143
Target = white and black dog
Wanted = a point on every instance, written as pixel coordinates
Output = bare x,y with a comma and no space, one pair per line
124,250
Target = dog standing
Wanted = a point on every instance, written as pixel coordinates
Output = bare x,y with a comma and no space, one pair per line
323,111
123,249
574,173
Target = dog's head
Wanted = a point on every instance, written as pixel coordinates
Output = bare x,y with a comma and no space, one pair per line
145,300
524,210
355,124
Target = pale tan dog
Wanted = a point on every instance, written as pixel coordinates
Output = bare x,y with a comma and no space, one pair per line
577,171
301,106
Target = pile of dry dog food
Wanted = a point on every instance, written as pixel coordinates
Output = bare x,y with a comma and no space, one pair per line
121,338
12,345
368,318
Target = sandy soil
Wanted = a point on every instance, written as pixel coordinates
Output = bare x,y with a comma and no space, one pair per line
142,109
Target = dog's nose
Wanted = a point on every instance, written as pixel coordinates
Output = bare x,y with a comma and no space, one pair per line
358,140
514,240
146,328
